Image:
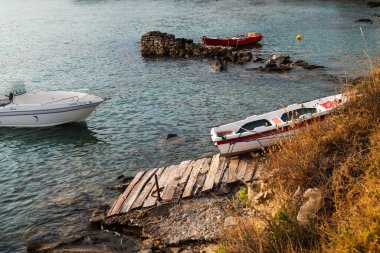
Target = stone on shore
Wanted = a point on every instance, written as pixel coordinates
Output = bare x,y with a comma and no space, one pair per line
308,209
219,65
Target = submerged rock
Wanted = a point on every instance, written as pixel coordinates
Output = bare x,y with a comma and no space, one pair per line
219,65
364,20
257,59
306,65
373,4
100,241
170,136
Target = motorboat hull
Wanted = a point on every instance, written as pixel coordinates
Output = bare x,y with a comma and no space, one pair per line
271,128
48,117
45,109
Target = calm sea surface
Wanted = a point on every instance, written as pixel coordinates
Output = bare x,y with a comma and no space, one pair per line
50,177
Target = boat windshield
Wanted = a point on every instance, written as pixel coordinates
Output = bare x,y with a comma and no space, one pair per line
18,89
252,125
297,113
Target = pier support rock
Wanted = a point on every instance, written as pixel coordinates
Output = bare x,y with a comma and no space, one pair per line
156,43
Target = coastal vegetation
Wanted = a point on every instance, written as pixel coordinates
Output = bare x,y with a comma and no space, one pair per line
339,156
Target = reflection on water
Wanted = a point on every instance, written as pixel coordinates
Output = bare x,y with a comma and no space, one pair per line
77,134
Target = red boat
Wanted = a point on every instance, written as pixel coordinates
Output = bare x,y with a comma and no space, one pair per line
241,40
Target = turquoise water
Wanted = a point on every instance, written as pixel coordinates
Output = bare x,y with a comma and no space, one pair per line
50,177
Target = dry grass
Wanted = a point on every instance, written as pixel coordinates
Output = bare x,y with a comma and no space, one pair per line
340,156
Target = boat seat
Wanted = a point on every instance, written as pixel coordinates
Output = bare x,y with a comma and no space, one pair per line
4,102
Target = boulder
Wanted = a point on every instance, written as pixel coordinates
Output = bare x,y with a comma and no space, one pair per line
169,136
257,59
310,206
219,65
280,59
223,190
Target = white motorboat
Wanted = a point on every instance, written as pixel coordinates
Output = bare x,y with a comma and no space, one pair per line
264,130
44,109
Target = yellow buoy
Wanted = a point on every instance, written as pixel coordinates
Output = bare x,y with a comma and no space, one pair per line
299,37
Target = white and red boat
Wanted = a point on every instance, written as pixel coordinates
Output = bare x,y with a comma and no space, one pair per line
264,130
240,40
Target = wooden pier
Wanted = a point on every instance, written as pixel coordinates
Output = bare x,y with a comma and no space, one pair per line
187,179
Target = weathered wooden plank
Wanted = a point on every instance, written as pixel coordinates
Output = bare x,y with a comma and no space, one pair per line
193,178
120,200
242,169
221,171
230,175
152,198
182,183
172,182
210,178
202,177
137,190
147,189
186,174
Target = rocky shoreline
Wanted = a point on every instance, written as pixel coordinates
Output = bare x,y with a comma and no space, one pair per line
159,44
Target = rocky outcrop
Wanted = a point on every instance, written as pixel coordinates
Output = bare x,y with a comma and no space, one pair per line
156,43
280,64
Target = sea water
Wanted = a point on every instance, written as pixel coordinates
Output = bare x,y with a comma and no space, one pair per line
50,177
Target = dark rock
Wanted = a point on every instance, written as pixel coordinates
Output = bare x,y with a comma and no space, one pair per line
90,242
358,80
310,66
219,65
120,177
306,65
364,20
98,216
280,59
372,4
223,190
127,179
274,68
120,187
169,136
257,59
300,63
376,15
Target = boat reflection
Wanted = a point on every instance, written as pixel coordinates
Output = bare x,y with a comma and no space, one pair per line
77,134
